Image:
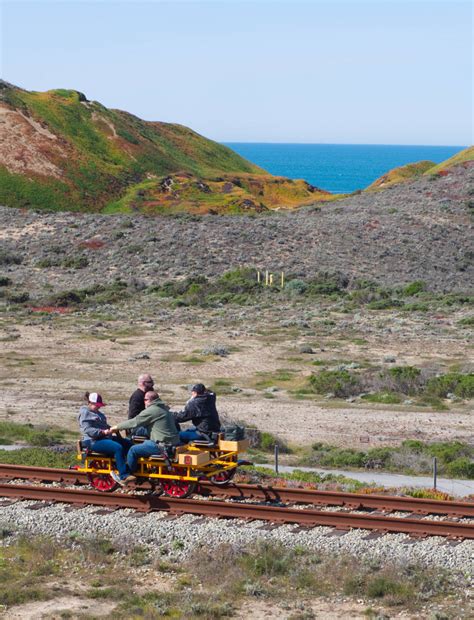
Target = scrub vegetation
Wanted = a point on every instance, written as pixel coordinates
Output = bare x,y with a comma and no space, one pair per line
210,583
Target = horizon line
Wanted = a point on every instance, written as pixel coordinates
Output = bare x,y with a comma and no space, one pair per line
462,146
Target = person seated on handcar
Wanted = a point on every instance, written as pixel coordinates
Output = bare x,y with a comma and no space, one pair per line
159,421
97,435
201,410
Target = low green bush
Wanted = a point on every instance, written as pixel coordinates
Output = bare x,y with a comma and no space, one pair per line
414,288
268,441
385,304
38,457
75,262
386,398
404,379
461,385
341,383
462,467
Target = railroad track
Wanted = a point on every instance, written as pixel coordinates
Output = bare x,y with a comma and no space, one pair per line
236,510
269,512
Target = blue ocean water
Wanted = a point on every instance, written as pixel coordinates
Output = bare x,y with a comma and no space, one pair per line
338,168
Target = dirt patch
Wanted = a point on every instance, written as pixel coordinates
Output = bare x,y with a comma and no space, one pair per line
27,147
61,607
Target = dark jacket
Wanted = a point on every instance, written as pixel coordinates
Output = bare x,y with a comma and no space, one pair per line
202,411
136,403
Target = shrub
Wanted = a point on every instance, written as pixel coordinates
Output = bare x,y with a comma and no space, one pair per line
339,382
461,385
75,262
387,398
19,297
404,379
414,288
268,441
296,287
385,304
326,283
461,468
4,281
9,258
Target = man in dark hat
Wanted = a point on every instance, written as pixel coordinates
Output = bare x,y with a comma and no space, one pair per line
201,410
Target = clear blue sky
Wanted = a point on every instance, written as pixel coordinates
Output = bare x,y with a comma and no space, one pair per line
380,72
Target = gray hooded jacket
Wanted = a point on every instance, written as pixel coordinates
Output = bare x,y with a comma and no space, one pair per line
92,424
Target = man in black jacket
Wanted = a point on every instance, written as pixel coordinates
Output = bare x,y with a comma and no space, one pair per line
136,404
201,410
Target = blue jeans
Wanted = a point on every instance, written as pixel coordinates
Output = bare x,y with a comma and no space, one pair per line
147,448
116,448
189,434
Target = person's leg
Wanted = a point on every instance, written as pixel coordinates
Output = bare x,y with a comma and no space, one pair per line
141,431
112,448
124,442
188,435
139,450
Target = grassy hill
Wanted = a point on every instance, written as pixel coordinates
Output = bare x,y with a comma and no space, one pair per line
410,172
460,158
401,174
62,151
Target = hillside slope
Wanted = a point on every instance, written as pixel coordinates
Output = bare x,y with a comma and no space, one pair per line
415,231
401,174
60,151
412,171
464,156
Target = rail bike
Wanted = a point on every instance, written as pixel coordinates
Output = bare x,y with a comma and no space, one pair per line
176,472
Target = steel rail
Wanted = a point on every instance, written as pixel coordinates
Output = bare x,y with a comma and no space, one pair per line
274,514
274,494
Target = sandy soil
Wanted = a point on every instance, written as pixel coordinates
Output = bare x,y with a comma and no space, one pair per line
45,369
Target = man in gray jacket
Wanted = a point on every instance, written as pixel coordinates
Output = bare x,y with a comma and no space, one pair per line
158,420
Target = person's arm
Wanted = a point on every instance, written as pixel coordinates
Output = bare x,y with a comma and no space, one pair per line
88,426
190,411
144,418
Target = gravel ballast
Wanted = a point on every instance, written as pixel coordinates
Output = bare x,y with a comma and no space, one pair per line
175,538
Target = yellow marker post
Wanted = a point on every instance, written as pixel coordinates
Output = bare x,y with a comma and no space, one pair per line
266,277
282,279
258,277
271,279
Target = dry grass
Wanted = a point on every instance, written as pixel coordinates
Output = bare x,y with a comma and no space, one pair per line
212,583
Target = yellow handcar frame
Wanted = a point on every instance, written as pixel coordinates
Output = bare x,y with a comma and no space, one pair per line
191,463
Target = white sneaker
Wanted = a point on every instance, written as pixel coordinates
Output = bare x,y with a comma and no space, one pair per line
117,478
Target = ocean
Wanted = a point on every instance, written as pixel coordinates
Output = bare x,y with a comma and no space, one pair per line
338,168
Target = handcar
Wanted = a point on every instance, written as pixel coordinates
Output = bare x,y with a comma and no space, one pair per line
177,472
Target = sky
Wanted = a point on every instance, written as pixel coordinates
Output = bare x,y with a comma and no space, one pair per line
378,72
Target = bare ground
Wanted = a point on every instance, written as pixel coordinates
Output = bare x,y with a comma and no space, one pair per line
46,367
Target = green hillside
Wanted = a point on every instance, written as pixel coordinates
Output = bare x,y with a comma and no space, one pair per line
410,172
401,174
65,152
460,158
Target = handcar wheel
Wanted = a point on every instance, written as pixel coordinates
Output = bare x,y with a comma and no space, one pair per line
101,482
155,488
223,478
178,488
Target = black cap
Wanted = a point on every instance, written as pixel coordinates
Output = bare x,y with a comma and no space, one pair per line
199,388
